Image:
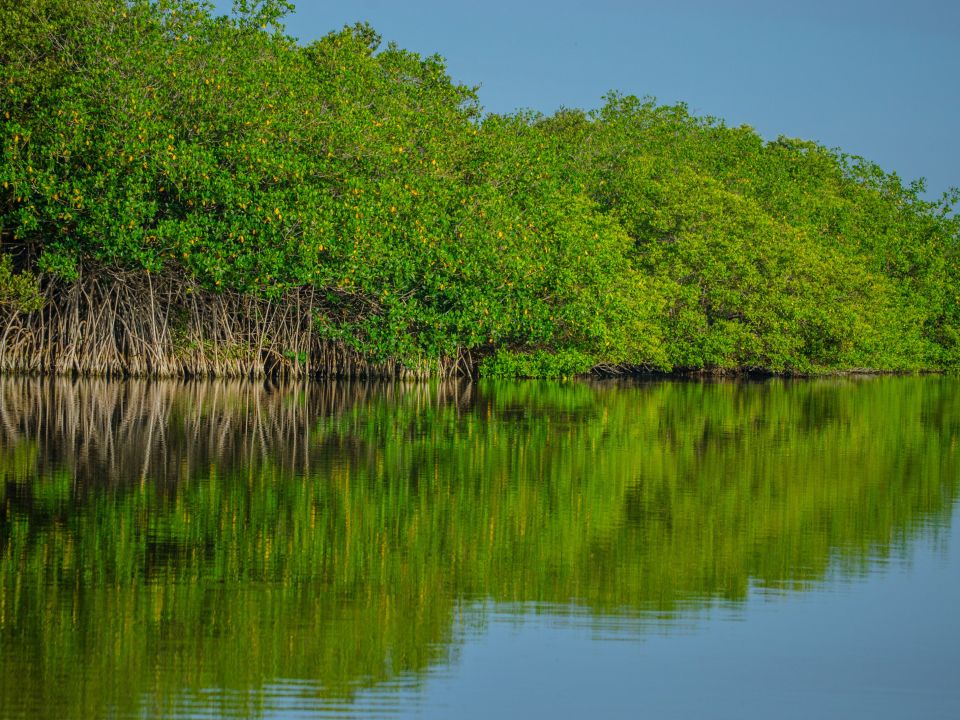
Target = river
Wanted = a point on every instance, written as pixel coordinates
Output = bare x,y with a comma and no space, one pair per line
663,549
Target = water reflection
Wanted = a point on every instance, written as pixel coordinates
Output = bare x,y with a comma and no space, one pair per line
234,549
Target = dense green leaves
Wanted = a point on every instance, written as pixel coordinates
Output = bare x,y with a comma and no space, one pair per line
18,291
150,135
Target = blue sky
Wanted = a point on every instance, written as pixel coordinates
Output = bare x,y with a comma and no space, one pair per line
879,79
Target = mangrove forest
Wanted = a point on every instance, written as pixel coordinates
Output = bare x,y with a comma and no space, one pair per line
186,194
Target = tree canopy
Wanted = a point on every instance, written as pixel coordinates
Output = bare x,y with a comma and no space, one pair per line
155,137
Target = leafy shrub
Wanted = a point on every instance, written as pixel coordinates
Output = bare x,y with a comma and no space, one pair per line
154,137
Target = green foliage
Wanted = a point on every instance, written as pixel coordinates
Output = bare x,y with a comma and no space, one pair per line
781,256
19,292
539,364
151,135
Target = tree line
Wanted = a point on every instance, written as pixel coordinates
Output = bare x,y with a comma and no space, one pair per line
183,193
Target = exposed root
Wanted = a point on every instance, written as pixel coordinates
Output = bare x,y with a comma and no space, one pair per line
116,324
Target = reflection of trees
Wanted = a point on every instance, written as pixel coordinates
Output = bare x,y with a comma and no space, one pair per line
230,534
109,433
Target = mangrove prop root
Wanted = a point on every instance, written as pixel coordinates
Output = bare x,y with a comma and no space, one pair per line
134,324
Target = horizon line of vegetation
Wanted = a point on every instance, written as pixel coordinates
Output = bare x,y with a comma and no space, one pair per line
183,193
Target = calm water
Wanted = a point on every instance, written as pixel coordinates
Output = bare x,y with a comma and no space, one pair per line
775,549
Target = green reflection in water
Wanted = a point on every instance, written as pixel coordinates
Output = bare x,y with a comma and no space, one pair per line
162,539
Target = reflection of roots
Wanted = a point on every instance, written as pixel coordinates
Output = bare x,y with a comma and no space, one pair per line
117,324
102,429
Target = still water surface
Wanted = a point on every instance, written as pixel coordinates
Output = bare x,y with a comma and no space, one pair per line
670,549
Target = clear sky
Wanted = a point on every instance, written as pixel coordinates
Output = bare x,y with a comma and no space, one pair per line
878,78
